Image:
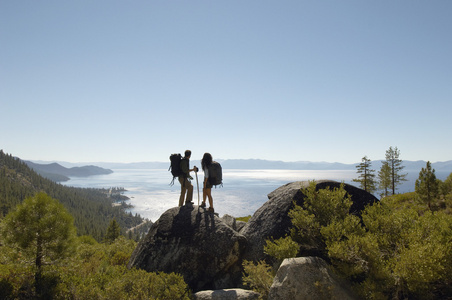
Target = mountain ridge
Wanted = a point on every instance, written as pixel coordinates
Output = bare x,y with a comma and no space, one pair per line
269,164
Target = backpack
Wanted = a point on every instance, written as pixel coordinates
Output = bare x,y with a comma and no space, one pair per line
175,168
215,174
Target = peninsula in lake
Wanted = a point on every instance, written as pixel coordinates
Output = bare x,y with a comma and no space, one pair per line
58,173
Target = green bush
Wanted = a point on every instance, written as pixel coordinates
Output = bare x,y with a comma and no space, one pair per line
394,253
258,277
99,271
281,248
139,284
320,208
16,281
244,219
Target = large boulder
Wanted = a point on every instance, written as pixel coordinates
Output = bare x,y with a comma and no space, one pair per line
272,220
194,243
305,278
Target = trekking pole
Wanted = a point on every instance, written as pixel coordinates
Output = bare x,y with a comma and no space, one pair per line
197,185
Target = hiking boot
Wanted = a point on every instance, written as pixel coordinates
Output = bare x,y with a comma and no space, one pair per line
188,203
211,209
203,205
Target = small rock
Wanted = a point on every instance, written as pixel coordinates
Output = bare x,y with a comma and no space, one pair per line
228,294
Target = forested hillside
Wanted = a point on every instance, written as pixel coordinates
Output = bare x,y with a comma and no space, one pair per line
91,208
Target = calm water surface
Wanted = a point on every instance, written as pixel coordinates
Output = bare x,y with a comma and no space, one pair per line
243,191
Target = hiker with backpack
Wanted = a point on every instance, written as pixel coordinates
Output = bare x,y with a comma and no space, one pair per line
212,176
184,178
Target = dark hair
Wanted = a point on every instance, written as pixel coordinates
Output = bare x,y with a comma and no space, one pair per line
187,153
206,160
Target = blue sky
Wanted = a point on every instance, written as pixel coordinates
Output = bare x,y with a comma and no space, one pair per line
130,81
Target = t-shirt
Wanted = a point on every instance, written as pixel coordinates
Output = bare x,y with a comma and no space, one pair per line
206,172
185,166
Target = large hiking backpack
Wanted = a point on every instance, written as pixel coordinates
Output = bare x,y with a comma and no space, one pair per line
175,168
215,174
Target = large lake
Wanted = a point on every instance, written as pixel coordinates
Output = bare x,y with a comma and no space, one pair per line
243,191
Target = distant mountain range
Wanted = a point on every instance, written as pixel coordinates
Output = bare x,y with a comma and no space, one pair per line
58,173
255,164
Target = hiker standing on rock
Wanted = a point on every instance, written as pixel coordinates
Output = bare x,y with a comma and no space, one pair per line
207,189
184,179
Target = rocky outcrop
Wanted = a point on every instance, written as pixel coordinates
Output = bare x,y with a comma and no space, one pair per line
233,223
272,220
229,294
304,278
194,243
208,251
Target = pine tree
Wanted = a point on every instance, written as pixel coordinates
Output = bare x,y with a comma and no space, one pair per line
366,178
42,229
113,231
384,178
395,165
426,186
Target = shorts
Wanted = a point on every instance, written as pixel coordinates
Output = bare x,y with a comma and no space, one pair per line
208,184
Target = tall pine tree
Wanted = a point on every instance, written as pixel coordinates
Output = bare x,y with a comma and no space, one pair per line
426,186
366,178
113,231
42,230
395,165
384,178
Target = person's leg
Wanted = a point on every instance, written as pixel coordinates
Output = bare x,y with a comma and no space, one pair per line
183,189
209,195
189,191
204,197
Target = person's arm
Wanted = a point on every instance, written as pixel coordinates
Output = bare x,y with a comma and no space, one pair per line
195,169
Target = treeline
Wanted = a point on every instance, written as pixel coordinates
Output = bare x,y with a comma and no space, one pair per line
91,208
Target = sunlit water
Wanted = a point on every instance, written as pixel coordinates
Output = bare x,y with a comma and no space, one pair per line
243,191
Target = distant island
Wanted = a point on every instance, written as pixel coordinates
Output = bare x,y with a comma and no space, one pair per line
58,173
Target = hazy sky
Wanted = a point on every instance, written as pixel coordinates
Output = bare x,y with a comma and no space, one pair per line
130,81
